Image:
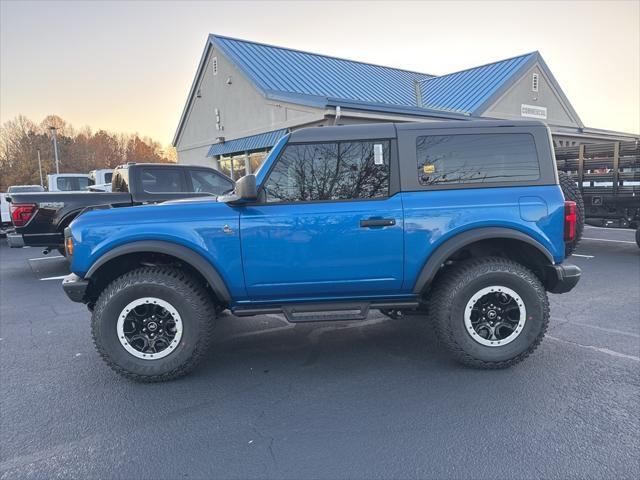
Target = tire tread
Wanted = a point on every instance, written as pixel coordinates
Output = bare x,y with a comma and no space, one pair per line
453,281
173,278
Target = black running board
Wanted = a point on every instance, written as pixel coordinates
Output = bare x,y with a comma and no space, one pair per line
325,312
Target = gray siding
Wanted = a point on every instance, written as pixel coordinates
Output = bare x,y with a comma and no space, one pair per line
196,156
242,108
508,106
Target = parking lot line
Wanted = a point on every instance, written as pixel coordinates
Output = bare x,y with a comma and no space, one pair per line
596,327
583,256
607,240
54,278
596,349
45,258
591,227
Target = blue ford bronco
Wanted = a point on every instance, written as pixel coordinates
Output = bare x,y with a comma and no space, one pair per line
465,222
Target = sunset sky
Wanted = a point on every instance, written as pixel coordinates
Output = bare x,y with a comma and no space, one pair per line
127,66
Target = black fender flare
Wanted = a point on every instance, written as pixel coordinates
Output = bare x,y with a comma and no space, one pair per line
185,254
71,215
67,218
455,243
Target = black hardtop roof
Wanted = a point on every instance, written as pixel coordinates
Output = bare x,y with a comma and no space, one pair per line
389,130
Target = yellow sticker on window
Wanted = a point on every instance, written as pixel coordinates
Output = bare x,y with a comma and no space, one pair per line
428,168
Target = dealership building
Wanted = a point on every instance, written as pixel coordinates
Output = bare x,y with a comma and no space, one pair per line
247,95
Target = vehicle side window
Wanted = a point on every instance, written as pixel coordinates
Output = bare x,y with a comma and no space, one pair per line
330,171
83,183
476,158
71,184
209,182
108,177
162,180
63,184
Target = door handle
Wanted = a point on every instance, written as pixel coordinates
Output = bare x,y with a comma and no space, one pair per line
377,222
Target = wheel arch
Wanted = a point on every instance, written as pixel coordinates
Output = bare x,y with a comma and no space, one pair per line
139,251
505,237
67,218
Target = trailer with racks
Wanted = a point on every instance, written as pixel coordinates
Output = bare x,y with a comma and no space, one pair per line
608,177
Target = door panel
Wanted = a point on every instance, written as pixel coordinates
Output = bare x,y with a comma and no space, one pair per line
321,249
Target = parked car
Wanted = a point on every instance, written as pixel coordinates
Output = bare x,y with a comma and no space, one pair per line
5,215
40,218
463,219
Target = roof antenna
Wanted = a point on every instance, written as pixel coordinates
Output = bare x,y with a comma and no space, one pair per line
418,92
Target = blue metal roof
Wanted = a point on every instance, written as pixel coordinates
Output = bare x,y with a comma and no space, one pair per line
248,144
321,81
277,69
467,90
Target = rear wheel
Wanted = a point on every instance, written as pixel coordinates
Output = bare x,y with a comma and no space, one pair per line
153,324
572,192
490,312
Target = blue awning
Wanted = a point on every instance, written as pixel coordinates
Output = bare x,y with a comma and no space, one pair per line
247,144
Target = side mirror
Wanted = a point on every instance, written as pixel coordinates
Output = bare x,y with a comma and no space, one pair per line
246,188
245,191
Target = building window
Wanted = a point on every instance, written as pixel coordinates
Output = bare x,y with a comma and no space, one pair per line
330,171
236,164
214,63
476,158
534,82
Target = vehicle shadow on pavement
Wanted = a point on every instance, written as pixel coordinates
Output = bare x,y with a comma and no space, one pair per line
268,340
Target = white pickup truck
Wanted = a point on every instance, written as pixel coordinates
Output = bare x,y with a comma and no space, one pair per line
80,182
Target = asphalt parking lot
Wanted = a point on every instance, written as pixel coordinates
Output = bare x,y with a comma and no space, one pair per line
376,399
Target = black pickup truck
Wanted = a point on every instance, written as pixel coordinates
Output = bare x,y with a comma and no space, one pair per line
40,218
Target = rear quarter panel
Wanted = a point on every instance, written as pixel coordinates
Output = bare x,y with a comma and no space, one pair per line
433,217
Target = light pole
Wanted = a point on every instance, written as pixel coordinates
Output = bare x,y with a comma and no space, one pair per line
55,147
40,169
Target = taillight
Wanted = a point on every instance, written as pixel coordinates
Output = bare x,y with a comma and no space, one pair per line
570,218
21,213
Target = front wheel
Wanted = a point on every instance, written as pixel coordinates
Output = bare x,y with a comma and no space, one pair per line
490,312
153,324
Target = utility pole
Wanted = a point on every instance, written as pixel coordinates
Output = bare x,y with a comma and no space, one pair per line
40,169
55,147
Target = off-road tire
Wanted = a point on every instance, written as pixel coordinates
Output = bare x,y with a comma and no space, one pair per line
184,293
455,287
572,192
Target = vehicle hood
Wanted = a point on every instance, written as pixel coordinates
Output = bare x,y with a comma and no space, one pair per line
172,212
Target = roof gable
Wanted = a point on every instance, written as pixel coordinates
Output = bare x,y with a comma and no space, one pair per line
467,90
536,61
